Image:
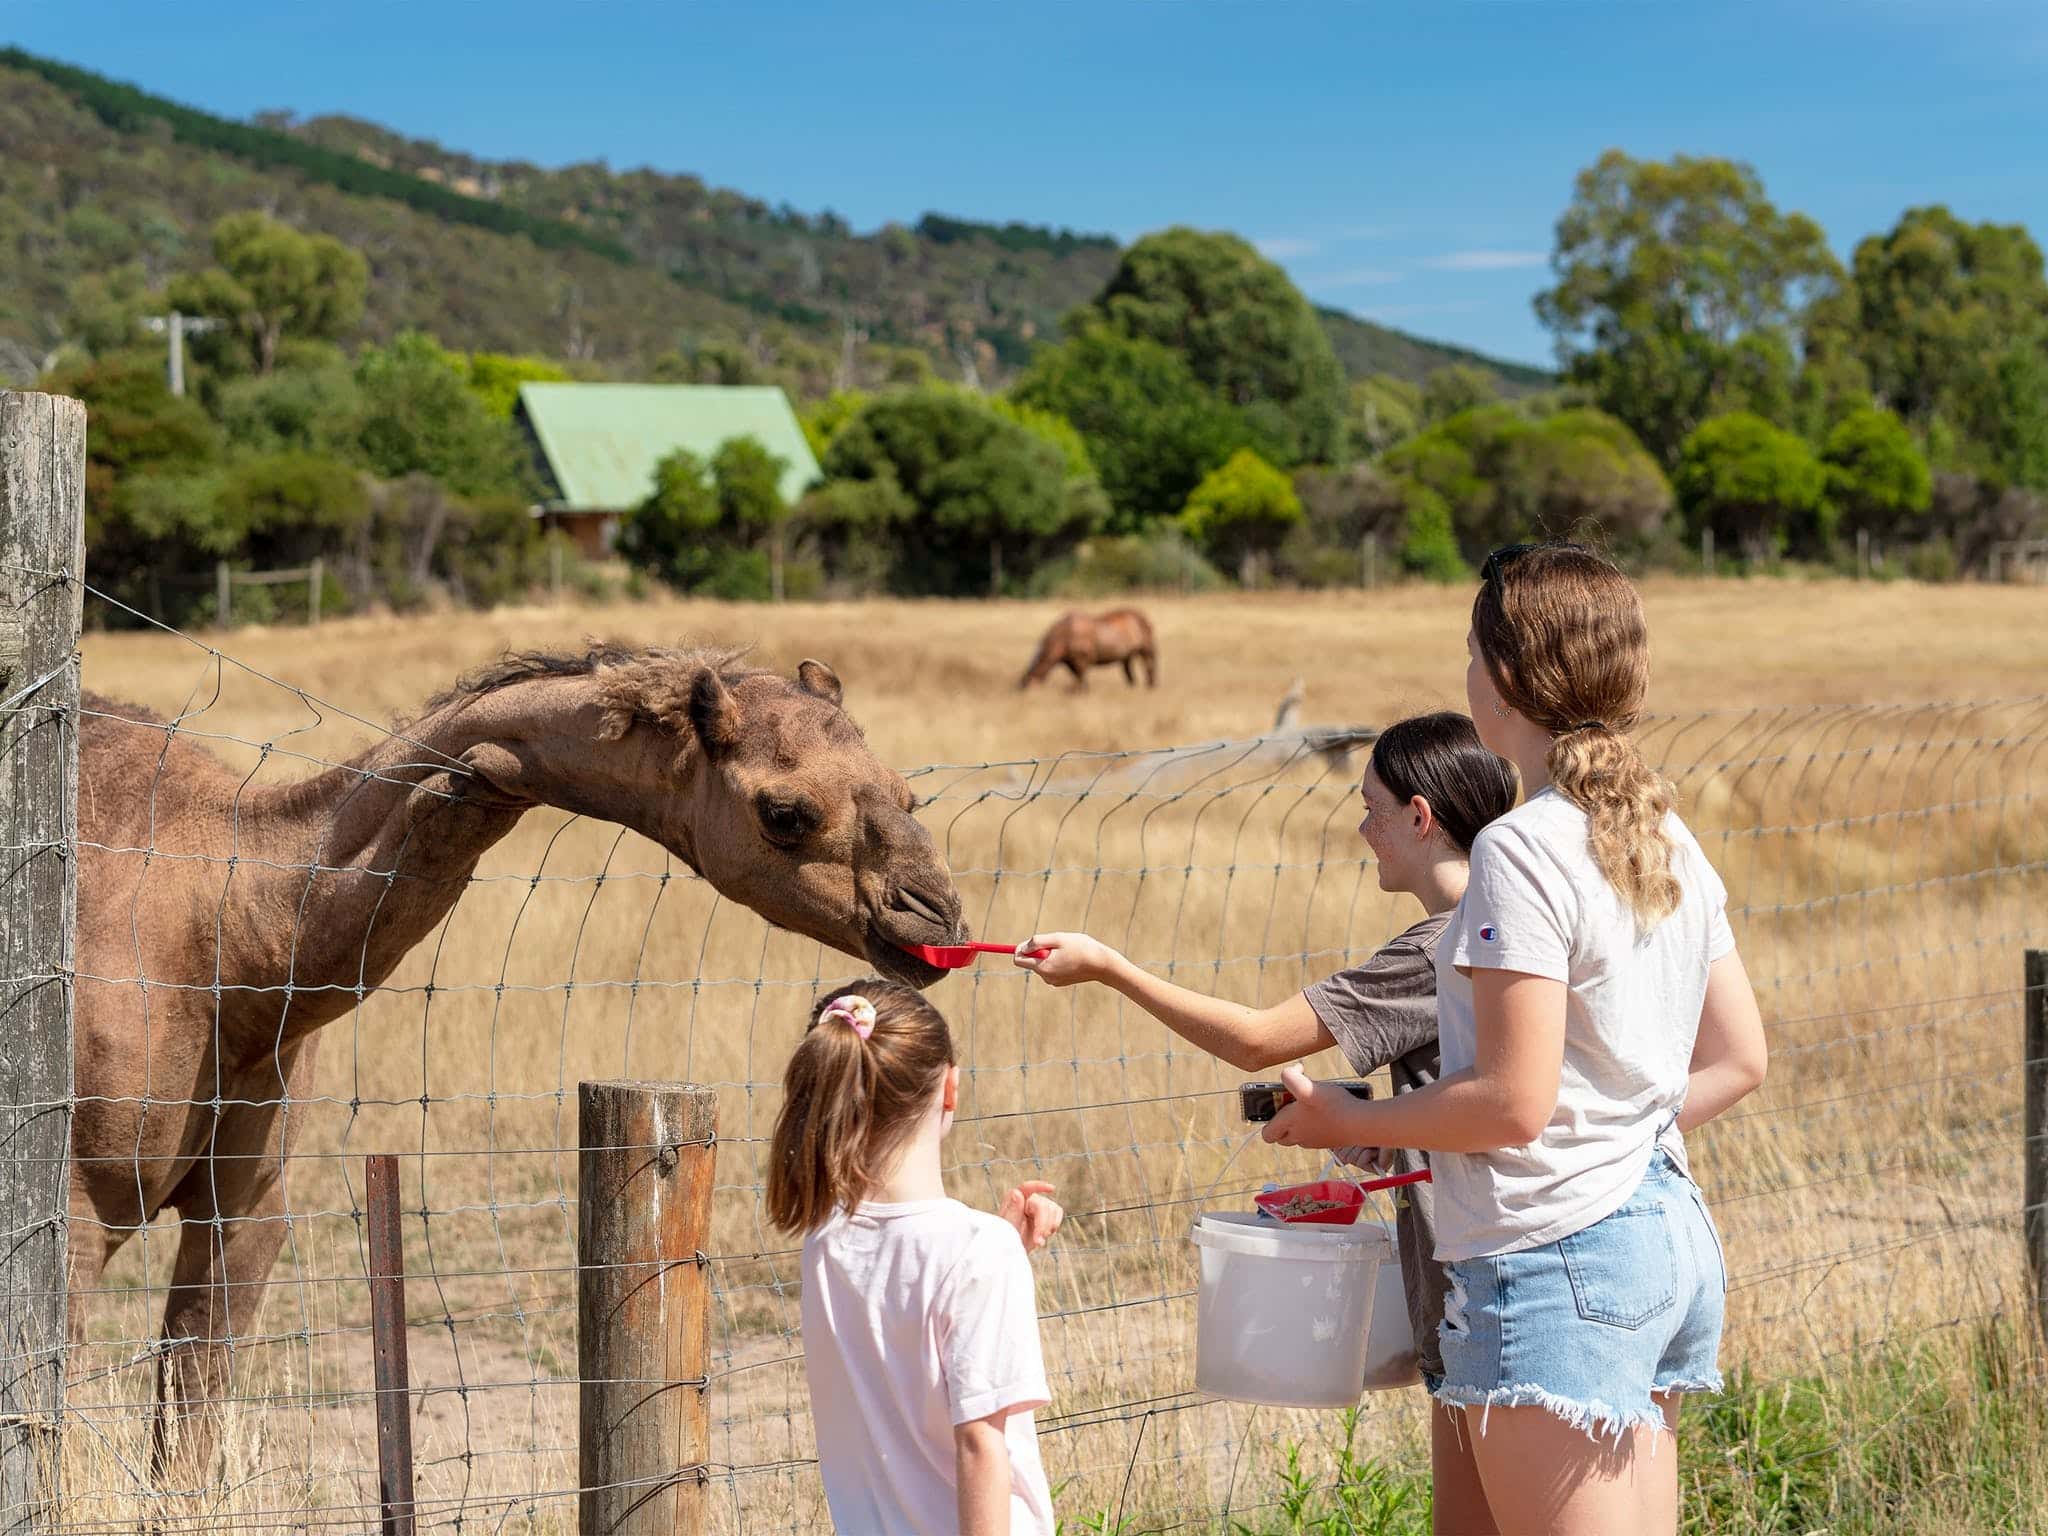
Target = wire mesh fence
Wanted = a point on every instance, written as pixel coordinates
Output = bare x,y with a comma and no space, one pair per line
1885,866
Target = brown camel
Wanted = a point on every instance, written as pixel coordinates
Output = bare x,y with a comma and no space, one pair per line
1078,641
222,923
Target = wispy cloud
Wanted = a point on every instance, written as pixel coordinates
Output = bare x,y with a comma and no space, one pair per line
1371,232
1286,247
1358,277
1487,261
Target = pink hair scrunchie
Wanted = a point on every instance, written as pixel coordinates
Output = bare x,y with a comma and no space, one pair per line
852,1010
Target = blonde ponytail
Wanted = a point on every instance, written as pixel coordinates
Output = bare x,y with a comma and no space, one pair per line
1562,633
1603,773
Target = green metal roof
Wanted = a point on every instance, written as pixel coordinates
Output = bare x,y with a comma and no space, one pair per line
602,441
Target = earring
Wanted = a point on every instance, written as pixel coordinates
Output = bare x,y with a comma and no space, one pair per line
1501,709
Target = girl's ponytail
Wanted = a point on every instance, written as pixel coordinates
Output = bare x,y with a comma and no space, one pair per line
1602,772
855,1087
1561,630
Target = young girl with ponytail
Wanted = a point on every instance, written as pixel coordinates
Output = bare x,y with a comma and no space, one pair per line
1592,1008
920,1326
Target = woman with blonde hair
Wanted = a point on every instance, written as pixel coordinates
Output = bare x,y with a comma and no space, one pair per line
1592,1008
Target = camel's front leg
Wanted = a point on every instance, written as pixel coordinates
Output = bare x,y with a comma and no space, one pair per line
217,1290
87,1252
232,1223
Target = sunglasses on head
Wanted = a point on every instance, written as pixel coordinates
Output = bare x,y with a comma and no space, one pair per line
1508,554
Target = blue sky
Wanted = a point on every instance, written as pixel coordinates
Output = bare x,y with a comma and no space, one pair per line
1404,161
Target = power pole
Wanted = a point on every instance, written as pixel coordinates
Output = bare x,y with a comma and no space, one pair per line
179,327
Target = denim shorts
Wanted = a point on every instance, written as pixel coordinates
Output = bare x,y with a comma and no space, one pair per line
1594,1324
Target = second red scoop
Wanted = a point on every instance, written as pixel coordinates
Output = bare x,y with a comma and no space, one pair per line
950,957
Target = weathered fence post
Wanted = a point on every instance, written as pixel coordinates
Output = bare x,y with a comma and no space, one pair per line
316,584
223,595
387,1345
643,1298
2034,1126
42,562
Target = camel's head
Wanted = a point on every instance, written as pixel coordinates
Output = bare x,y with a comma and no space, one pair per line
766,787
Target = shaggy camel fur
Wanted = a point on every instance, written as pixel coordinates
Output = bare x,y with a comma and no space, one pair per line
1078,641
222,923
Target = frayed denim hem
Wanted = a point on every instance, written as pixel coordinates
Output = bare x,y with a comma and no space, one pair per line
1710,1384
1596,1420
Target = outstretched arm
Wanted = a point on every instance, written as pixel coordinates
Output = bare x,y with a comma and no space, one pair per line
1251,1039
1729,1056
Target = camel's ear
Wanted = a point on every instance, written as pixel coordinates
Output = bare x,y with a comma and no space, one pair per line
714,714
815,678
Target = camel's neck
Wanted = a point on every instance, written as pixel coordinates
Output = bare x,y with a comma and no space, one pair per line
382,847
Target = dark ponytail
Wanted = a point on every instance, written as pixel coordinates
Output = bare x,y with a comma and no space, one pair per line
1439,758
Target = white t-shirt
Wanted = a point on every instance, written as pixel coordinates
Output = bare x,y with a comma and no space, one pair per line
919,1316
1538,903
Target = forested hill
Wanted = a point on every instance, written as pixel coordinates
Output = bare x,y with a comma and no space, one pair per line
625,271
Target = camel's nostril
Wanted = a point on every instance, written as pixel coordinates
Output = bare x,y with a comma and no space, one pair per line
921,906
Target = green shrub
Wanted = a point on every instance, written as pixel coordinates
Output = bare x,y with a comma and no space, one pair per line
1933,561
1160,561
1429,547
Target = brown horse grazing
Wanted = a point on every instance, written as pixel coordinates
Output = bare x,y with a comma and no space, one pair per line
1078,641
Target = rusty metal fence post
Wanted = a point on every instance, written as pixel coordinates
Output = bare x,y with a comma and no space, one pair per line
387,1344
645,1175
2034,1127
42,564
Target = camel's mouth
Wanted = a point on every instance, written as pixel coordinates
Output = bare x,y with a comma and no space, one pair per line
899,964
914,915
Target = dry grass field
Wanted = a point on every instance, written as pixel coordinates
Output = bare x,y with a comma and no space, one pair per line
1882,843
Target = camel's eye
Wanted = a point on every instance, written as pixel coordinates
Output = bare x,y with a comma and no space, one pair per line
784,821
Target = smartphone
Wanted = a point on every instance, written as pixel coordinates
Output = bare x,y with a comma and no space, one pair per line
1262,1101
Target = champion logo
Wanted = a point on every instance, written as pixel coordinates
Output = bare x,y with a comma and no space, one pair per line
1488,932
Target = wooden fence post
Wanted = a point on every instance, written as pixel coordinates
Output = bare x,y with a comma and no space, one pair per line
42,563
387,1345
2034,1127
223,595
316,583
643,1297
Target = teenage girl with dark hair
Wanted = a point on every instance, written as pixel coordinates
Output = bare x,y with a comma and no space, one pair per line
920,1326
1431,786
1593,1008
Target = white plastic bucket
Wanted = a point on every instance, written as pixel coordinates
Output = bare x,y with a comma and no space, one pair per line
1390,1359
1285,1310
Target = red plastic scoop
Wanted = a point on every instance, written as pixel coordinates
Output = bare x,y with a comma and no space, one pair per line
1332,1202
950,957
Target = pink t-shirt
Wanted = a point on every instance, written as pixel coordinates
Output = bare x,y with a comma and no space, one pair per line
919,1316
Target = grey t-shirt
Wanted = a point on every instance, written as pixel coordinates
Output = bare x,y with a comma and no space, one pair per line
1383,1014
